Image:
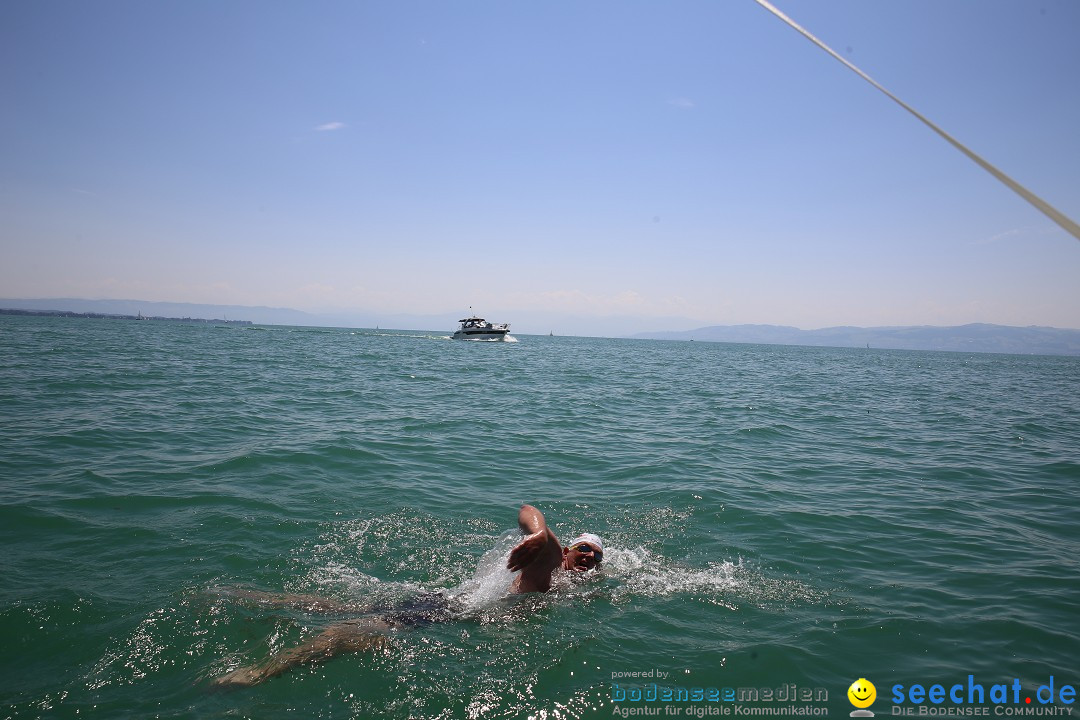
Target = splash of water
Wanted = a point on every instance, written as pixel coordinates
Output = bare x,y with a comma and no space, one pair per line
491,580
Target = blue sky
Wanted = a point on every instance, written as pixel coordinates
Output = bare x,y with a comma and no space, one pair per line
672,164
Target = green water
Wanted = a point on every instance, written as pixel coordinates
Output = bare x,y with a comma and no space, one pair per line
773,516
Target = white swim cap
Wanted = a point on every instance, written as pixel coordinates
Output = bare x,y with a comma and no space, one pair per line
594,540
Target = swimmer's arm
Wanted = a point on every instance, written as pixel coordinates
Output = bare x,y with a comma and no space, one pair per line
537,555
531,520
538,542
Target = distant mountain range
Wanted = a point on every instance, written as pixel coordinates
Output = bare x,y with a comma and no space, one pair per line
978,337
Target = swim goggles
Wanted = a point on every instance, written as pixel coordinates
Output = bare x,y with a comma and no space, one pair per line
598,555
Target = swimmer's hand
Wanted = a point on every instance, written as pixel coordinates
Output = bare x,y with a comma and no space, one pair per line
527,551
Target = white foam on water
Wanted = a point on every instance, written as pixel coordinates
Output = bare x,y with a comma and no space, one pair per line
491,580
642,573
626,573
360,587
336,576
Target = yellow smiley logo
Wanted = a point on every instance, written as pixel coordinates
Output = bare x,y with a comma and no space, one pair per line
862,693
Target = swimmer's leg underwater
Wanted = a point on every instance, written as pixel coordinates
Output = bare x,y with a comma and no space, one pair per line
345,637
369,633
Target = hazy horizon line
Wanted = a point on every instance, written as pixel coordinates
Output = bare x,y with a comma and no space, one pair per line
341,315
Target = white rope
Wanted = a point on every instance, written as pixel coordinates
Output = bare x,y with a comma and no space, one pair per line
1060,218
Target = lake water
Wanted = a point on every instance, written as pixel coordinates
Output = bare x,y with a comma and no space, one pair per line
774,517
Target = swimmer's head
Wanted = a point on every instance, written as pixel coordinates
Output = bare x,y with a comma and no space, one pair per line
584,552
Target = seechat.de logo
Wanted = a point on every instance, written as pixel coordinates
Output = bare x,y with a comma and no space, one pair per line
862,694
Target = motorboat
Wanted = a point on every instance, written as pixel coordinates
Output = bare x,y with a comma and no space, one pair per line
477,328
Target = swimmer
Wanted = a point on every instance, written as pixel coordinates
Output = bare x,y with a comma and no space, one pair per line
537,556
